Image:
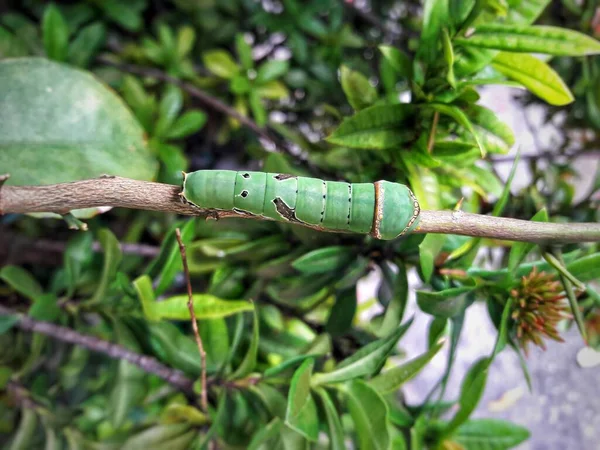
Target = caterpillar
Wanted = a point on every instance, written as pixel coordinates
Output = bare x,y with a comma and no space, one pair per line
383,209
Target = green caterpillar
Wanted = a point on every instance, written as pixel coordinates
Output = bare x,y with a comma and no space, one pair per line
385,210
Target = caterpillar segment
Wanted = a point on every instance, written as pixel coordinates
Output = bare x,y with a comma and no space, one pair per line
383,209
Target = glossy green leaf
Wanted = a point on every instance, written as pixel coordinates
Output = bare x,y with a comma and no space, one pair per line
496,136
264,435
429,248
447,303
359,92
437,329
271,70
112,258
449,57
586,268
535,75
249,362
370,415
460,117
215,337
41,100
258,110
86,44
323,260
336,431
220,63
21,281
435,17
390,380
175,348
459,10
294,361
301,414
398,60
377,127
7,322
492,434
519,250
367,361
55,33
531,39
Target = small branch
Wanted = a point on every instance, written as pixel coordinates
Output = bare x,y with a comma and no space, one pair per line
434,123
477,225
203,394
126,193
21,395
115,351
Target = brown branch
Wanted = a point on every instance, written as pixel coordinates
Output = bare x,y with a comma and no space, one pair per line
126,193
115,351
190,304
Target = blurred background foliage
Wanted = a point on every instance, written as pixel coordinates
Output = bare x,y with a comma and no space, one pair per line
359,91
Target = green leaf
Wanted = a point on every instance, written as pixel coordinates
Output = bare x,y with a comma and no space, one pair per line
342,313
45,307
492,434
323,260
460,10
206,306
519,250
449,57
41,100
301,414
258,110
271,70
157,436
460,117
186,36
435,16
244,51
370,416
78,254
586,268
264,435
398,283
535,75
273,90
272,371
21,281
429,248
220,63
364,362
531,39
168,263
55,32
86,44
471,391
188,123
168,109
398,60
376,127
390,380
447,303
249,362
358,90
26,432
7,322
336,431
496,136
112,259
129,388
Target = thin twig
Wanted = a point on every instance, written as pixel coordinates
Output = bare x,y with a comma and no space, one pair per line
431,141
115,351
126,193
190,304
